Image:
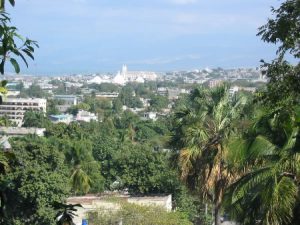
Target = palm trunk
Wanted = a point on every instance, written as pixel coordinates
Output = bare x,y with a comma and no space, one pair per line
219,187
217,214
2,2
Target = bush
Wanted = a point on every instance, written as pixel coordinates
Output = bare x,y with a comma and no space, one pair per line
132,214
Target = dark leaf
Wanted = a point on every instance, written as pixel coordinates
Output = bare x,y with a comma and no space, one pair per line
28,53
15,65
12,2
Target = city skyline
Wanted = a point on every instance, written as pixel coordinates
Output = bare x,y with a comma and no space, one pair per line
89,36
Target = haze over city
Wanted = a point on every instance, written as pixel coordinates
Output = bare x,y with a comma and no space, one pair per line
89,36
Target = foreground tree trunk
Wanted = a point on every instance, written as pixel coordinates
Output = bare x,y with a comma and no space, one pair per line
220,184
217,214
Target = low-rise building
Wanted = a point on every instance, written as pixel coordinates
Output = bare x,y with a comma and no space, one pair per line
63,118
233,90
107,95
86,116
150,116
68,101
21,131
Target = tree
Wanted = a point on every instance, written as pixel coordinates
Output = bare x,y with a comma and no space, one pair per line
284,78
5,122
34,91
8,44
35,119
104,87
5,166
128,98
117,106
66,213
86,172
52,107
2,3
81,182
9,50
158,102
37,179
144,171
268,155
202,129
132,214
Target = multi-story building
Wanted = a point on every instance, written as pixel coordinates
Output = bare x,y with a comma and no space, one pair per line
15,108
67,102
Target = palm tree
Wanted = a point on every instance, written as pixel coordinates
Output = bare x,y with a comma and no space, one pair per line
201,132
79,153
269,156
81,182
2,3
66,213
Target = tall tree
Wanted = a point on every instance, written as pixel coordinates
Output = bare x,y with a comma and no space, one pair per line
2,3
9,50
269,156
284,77
79,153
201,133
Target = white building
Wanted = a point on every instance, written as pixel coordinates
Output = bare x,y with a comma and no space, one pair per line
63,118
150,116
15,108
86,116
107,95
95,80
21,131
126,76
119,79
233,90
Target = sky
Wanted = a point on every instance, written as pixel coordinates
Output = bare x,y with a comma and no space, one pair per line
91,36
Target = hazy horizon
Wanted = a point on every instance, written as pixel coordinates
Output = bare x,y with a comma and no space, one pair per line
97,36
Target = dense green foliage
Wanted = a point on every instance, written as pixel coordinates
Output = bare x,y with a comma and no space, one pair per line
201,130
283,30
37,179
35,119
131,214
34,91
236,156
269,153
10,48
258,169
